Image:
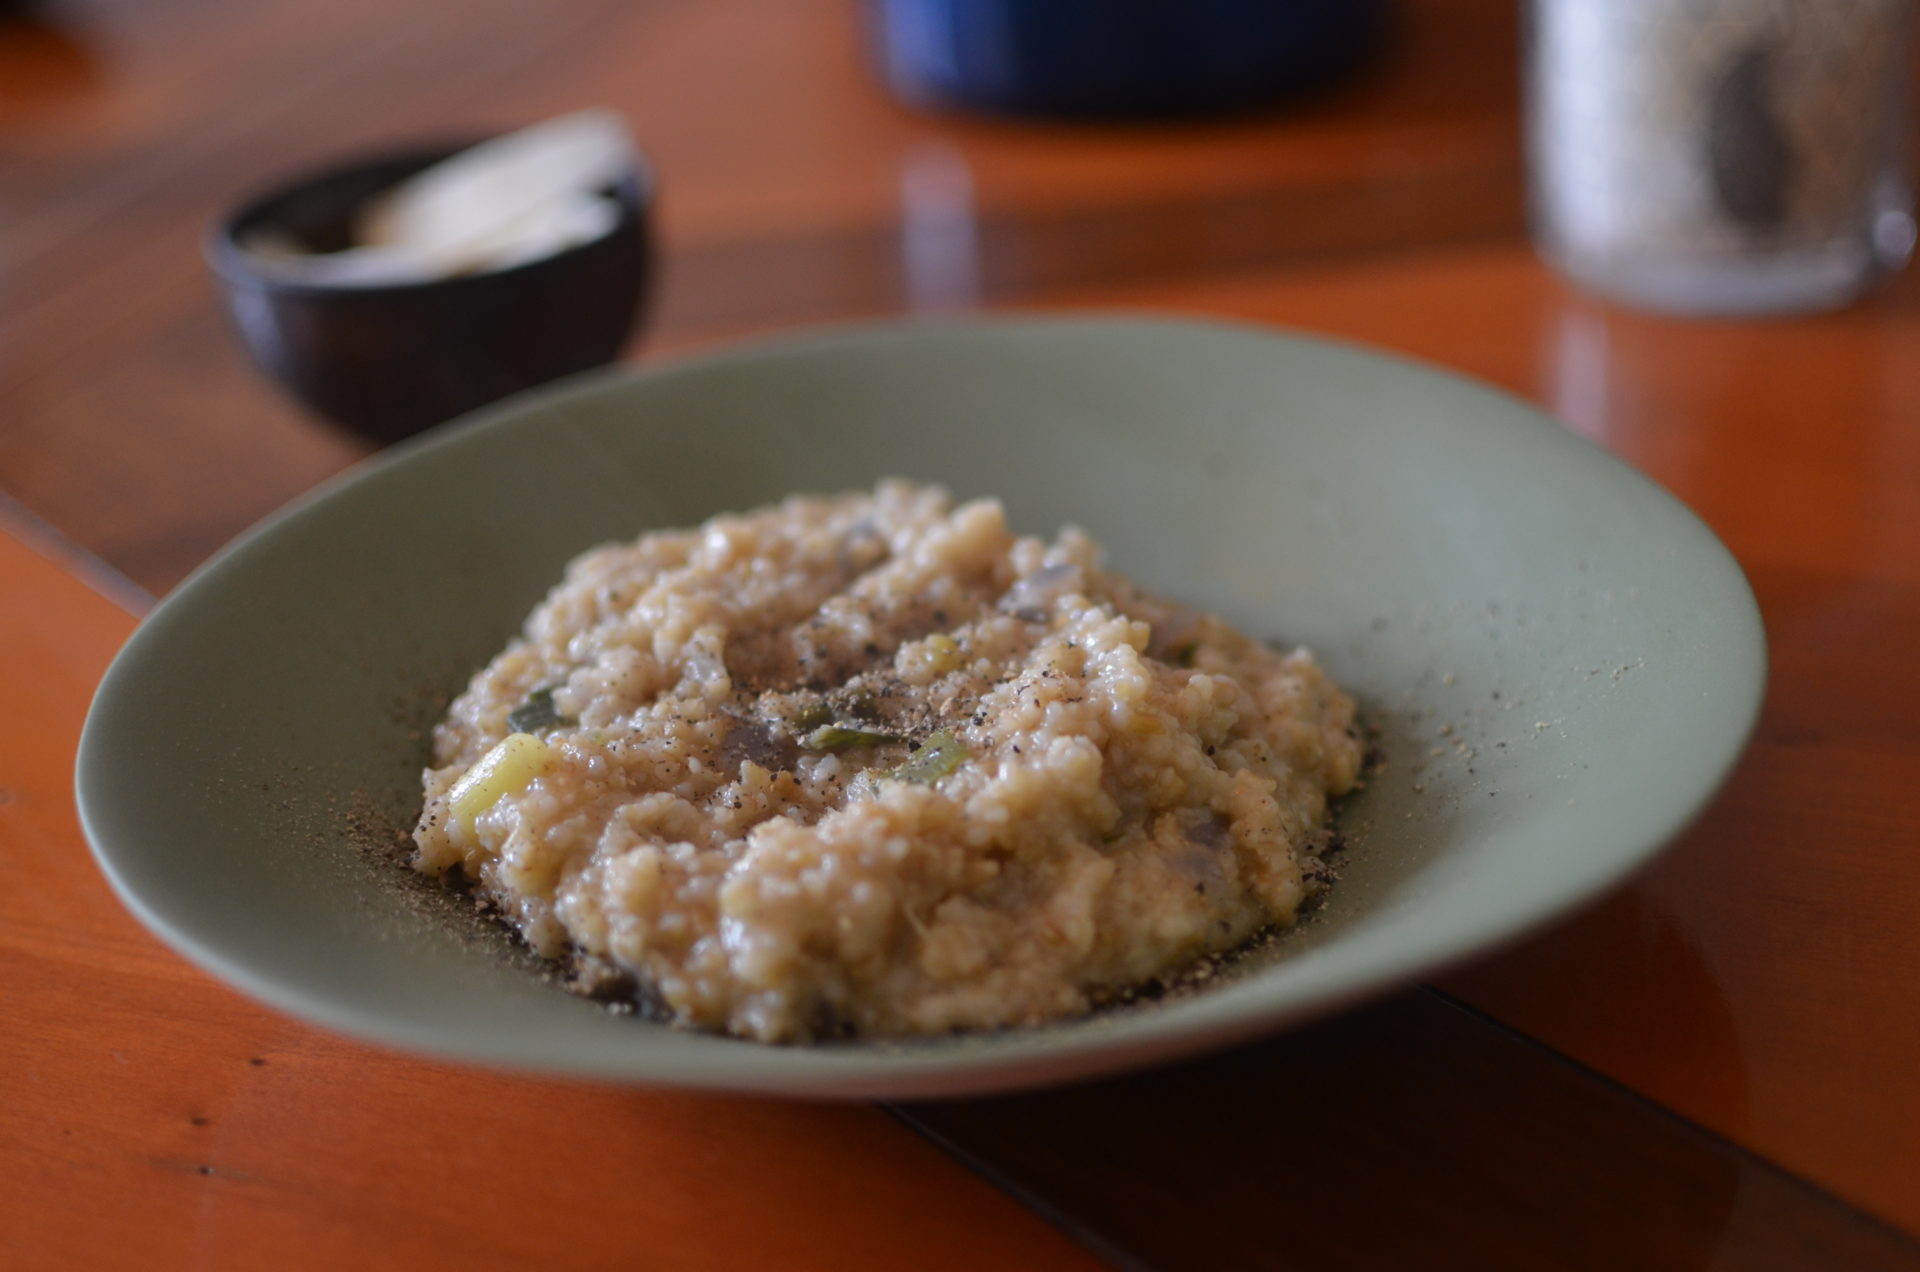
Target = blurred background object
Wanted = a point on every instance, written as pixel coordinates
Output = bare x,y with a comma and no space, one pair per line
386,354
1727,156
42,63
1119,58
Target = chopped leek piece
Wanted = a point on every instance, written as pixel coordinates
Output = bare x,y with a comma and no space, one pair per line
507,769
537,712
812,716
836,737
938,756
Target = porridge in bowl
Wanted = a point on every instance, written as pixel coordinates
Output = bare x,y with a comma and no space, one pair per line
874,765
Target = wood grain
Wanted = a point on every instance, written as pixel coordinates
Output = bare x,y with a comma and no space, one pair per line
1327,1149
1757,980
793,191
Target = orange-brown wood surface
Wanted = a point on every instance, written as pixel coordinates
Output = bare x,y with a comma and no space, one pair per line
154,1119
1764,976
1759,981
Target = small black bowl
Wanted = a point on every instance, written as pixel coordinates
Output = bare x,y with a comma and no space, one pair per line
389,361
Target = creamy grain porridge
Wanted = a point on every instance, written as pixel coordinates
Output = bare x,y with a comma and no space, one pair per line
875,765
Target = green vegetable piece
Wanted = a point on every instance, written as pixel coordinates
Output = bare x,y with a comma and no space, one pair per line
837,737
812,716
537,712
938,756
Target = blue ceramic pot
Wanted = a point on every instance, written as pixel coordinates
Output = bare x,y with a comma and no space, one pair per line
1118,58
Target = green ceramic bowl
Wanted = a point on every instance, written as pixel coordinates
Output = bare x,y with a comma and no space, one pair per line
1561,662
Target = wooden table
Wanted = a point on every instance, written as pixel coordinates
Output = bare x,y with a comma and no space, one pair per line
1716,1065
